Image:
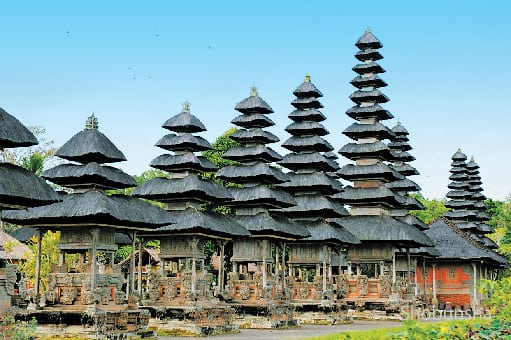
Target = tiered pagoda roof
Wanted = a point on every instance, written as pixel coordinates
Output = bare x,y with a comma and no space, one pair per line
19,188
184,191
467,200
257,194
372,196
310,183
89,205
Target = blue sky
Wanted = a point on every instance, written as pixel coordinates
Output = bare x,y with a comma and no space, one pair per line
133,63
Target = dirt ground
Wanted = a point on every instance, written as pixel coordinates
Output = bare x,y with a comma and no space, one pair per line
296,333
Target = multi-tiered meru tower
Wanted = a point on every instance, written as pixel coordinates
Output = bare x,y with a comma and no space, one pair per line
373,277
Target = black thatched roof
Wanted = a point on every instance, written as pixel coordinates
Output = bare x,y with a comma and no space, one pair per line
252,173
405,169
400,130
378,130
377,171
384,229
364,81
302,103
459,214
306,115
13,134
330,155
92,208
368,40
88,146
317,181
411,203
403,185
256,135
24,234
324,232
413,221
356,151
253,104
271,226
306,128
362,96
187,161
365,196
307,144
452,243
250,153
313,160
368,54
307,89
193,221
253,120
459,157
184,142
314,206
358,112
88,176
189,188
260,196
370,67
184,122
19,188
399,145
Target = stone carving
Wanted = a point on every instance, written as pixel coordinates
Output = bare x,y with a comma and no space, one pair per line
385,285
362,285
244,291
67,295
10,278
302,292
342,288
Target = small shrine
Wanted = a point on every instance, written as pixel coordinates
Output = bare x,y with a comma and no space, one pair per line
19,189
372,271
313,280
182,285
88,219
257,280
450,280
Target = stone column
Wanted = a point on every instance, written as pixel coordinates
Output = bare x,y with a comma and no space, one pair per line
284,266
263,265
474,283
277,266
324,270
393,266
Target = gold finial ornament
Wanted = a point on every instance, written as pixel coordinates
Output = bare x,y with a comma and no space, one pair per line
307,78
472,158
368,30
91,123
186,106
253,91
459,150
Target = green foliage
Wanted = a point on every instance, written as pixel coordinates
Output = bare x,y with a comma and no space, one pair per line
122,253
50,254
498,297
219,147
433,209
11,329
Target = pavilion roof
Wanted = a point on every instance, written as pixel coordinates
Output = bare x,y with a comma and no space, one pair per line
13,134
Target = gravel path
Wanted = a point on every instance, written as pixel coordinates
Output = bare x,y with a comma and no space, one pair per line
296,333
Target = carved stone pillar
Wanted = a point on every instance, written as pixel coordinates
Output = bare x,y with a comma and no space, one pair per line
94,233
131,281
139,283
221,268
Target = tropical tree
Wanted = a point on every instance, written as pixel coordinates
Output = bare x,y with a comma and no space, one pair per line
433,209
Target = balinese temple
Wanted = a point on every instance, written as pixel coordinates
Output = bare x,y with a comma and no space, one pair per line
19,189
406,260
451,279
372,271
88,220
311,275
182,282
257,277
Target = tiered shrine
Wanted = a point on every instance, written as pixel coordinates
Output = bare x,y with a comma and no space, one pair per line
88,218
313,280
182,285
257,279
372,265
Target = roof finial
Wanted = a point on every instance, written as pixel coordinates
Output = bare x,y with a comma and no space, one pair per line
459,150
253,91
307,78
91,123
368,30
186,106
472,159
398,123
